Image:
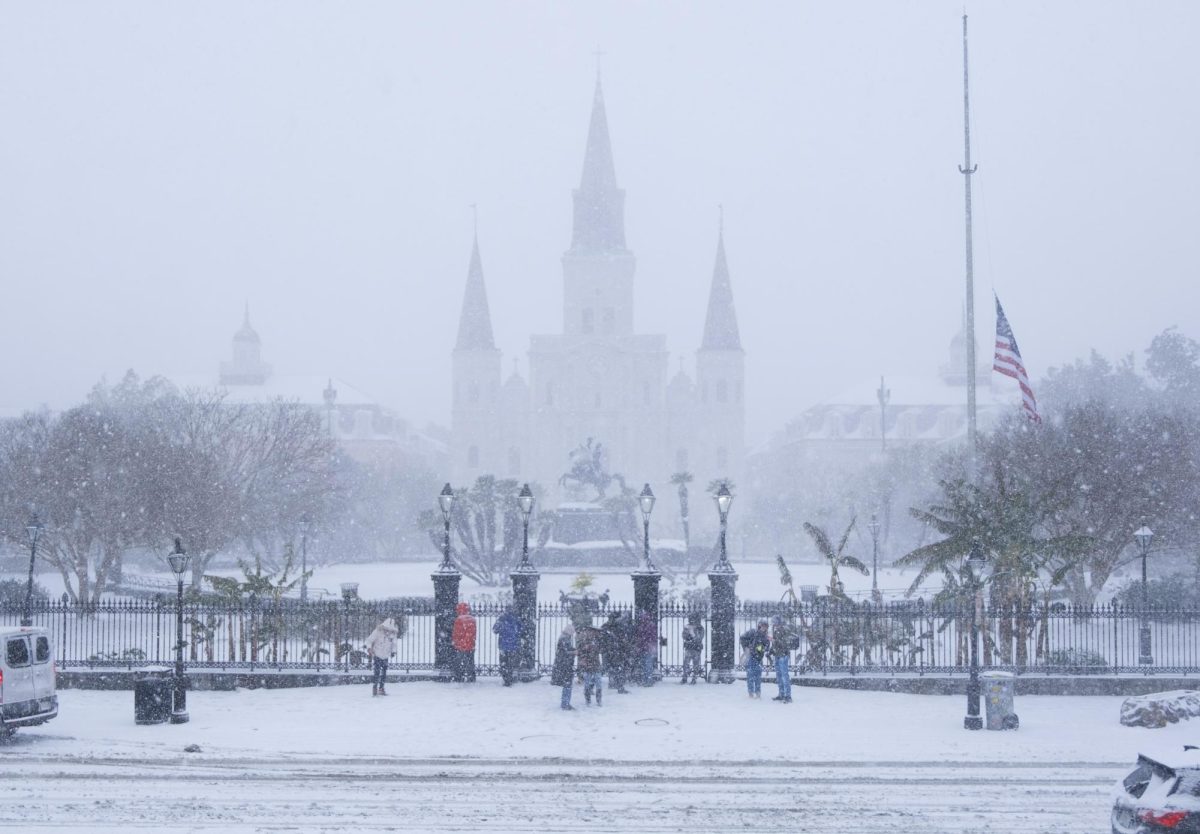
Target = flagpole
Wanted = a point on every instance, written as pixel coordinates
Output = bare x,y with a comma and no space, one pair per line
967,170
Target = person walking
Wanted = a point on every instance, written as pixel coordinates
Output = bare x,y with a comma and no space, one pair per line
633,661
381,645
784,640
755,644
508,627
588,654
563,673
693,647
646,642
462,636
616,657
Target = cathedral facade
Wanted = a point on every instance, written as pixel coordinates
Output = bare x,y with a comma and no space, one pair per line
598,379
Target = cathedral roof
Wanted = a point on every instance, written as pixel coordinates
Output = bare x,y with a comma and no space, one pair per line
720,324
475,322
599,203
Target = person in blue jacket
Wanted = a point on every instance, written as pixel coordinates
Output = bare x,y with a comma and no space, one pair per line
508,627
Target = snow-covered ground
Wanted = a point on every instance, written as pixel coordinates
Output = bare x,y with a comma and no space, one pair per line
436,757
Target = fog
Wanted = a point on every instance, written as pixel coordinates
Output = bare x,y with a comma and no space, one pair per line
165,163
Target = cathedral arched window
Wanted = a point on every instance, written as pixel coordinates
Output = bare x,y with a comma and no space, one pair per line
588,320
514,461
722,458
473,456
550,393
610,320
722,391
473,392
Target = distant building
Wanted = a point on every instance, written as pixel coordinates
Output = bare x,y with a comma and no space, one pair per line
598,378
367,430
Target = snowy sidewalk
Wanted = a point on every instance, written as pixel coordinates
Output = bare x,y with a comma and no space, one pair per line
667,722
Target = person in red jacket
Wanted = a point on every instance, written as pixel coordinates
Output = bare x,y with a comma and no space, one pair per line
463,638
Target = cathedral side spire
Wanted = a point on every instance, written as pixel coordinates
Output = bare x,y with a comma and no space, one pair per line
475,322
720,324
599,203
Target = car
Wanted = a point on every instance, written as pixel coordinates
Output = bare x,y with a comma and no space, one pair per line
1160,796
27,678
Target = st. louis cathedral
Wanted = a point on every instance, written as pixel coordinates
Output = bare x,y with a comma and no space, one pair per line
598,379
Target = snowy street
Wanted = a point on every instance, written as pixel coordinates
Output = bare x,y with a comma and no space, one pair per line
448,757
267,794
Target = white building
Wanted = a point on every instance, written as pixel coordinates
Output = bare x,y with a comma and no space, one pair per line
598,378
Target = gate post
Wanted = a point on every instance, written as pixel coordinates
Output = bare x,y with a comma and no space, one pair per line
645,600
524,583
445,597
722,579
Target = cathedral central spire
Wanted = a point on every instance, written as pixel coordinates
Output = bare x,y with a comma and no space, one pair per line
720,325
599,203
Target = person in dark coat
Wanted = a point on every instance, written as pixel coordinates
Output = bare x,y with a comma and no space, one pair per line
693,647
508,627
755,644
588,654
633,662
784,640
616,654
563,673
463,638
646,641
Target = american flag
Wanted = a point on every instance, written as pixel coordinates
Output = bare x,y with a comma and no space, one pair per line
1008,362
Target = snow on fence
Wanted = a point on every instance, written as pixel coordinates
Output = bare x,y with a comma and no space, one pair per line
836,637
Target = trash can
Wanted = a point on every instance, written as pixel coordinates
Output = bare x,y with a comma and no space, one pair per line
152,695
998,691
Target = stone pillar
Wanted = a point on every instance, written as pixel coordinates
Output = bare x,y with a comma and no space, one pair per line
445,597
524,583
645,599
722,580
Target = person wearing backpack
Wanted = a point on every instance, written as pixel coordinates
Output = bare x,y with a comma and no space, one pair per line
755,644
693,646
784,640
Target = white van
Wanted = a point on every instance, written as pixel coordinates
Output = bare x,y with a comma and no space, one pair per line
27,684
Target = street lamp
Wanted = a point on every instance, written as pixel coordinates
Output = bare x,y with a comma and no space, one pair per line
976,562
305,526
446,502
525,500
724,499
179,559
34,528
349,592
1143,536
646,500
330,397
873,526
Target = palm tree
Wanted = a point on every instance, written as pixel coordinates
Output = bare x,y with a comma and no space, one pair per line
837,557
681,480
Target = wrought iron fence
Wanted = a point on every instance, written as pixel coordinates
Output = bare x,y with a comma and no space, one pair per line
835,637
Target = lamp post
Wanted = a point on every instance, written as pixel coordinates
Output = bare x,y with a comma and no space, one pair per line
179,559
874,528
646,500
525,579
305,526
723,582
1143,536
724,499
34,528
525,500
349,592
330,397
446,503
976,562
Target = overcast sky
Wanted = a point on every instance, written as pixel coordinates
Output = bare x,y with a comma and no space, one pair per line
161,163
